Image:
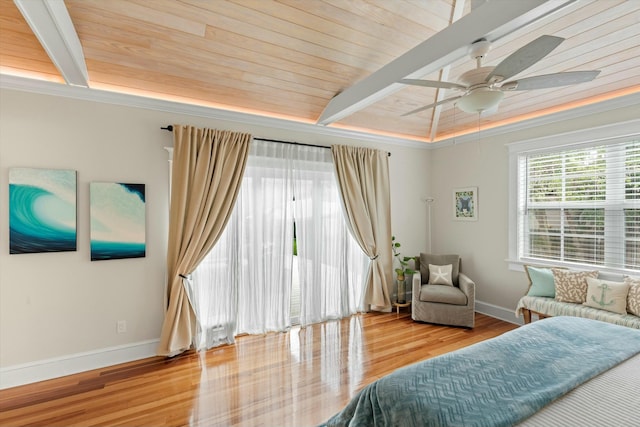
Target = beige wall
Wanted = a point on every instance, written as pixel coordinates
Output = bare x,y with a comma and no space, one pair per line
483,245
55,305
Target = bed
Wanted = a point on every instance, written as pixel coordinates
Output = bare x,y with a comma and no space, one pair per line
562,371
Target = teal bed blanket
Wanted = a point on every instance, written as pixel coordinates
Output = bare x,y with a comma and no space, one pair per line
499,382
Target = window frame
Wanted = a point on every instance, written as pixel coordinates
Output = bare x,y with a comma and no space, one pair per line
584,138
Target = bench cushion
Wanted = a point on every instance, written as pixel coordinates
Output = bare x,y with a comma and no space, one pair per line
551,307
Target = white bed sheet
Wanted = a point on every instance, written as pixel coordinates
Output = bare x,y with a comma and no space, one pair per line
612,399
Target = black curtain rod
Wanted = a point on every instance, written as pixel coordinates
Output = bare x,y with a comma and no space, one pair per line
170,129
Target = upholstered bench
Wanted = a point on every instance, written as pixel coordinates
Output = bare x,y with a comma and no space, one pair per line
585,296
549,307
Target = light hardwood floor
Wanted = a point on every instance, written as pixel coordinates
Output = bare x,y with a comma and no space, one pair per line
299,378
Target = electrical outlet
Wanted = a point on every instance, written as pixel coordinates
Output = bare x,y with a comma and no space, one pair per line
121,326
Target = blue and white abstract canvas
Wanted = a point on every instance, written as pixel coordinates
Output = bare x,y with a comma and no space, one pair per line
42,210
117,221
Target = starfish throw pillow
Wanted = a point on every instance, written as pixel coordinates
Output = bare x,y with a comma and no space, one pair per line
440,274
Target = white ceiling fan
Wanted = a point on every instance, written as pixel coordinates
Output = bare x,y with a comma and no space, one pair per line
483,87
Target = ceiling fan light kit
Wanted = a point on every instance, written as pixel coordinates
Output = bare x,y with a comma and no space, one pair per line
479,100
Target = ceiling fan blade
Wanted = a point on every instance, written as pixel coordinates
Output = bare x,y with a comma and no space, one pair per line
551,80
435,104
524,58
433,83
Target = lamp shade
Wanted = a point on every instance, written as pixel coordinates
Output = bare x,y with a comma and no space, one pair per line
479,100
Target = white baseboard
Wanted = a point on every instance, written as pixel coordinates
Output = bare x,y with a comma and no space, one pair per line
498,312
12,376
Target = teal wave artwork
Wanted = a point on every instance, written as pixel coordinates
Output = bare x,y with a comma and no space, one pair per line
42,210
118,213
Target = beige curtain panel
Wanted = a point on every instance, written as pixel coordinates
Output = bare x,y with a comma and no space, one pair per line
208,166
363,177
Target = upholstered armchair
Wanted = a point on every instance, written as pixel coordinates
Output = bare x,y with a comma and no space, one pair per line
443,295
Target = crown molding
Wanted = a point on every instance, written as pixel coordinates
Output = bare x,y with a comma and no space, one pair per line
107,97
609,133
630,100
96,95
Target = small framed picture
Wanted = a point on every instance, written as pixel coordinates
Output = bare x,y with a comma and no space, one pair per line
465,204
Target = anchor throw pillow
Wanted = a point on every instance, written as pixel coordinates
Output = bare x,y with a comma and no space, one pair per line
607,295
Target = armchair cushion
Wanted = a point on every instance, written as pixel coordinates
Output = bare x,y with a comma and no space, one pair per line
442,294
426,259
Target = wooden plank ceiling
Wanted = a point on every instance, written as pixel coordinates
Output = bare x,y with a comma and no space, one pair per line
288,58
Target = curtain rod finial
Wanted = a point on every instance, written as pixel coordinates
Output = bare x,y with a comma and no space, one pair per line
169,128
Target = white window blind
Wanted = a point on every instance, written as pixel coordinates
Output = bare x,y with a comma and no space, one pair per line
581,205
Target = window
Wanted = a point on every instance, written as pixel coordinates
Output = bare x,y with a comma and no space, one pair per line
578,204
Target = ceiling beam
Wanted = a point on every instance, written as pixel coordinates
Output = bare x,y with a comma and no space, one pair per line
50,22
458,10
491,20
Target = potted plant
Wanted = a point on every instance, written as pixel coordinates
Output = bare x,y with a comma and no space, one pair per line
403,271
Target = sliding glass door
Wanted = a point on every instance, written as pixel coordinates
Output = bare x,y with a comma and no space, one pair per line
252,282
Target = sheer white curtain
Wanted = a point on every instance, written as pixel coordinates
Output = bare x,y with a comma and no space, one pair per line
266,233
331,264
244,284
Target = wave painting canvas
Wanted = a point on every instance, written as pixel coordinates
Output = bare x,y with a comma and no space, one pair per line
42,210
117,221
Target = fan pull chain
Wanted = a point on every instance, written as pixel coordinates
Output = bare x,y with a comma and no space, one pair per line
478,137
455,107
